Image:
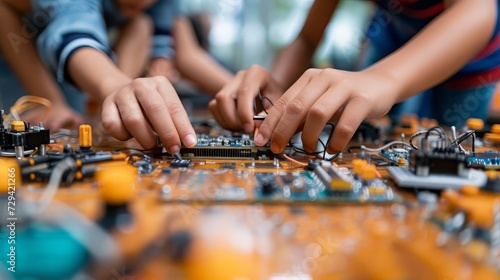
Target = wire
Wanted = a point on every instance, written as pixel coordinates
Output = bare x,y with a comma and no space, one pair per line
363,147
261,99
302,151
439,129
24,104
86,232
294,160
420,133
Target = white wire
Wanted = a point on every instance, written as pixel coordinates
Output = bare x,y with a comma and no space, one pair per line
52,186
99,243
363,147
13,154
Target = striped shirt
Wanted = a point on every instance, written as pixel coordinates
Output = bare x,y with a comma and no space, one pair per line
397,21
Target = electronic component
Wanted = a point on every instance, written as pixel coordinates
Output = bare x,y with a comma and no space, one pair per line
404,177
487,160
20,138
85,137
179,163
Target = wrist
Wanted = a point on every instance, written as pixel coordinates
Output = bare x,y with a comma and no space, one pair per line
395,90
110,85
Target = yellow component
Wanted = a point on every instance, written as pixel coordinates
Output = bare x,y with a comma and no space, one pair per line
117,183
492,137
469,190
369,172
357,166
10,175
31,161
17,126
85,136
32,176
338,184
401,161
425,122
492,174
78,175
78,163
450,196
475,124
118,156
495,129
376,190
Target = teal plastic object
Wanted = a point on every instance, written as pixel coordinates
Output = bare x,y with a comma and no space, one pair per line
41,252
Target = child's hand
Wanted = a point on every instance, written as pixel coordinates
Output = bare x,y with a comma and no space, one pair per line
319,95
60,116
145,106
233,107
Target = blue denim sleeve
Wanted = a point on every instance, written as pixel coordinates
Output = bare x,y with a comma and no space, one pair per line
72,24
163,14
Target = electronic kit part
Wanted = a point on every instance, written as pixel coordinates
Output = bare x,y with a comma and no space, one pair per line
493,182
85,136
117,185
20,138
486,160
406,178
478,126
180,163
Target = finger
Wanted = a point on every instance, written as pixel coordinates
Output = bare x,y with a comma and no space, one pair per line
354,113
133,118
226,103
256,78
212,105
112,122
297,110
320,113
183,128
276,112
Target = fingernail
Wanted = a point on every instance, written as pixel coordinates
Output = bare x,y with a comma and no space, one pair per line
259,140
248,127
275,148
174,149
190,140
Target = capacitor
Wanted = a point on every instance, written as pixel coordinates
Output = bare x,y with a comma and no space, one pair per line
85,135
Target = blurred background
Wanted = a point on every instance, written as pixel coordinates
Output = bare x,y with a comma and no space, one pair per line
242,33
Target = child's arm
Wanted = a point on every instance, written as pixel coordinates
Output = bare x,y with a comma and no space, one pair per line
75,46
20,53
194,63
433,55
233,105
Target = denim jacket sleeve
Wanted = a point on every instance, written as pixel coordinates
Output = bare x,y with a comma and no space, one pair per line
163,14
72,24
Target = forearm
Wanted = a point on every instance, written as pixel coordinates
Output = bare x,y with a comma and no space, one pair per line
95,73
201,69
297,57
22,53
441,49
291,63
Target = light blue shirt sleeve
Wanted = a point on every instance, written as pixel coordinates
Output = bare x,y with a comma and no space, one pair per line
72,24
163,14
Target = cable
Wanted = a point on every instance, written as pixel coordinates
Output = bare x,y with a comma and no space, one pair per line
294,160
53,185
261,99
85,231
24,104
419,133
363,147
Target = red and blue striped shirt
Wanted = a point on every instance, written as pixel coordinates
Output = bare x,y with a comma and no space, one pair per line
402,19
